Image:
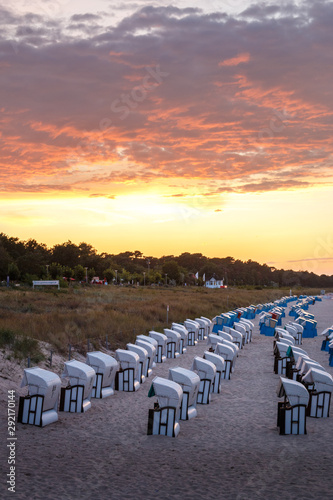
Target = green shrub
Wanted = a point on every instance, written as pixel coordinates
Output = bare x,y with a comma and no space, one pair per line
7,337
25,347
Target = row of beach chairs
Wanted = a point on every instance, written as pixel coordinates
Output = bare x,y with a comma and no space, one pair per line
305,385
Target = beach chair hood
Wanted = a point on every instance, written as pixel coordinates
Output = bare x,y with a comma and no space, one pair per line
188,380
127,359
216,359
294,391
168,392
44,382
105,364
204,368
322,380
80,374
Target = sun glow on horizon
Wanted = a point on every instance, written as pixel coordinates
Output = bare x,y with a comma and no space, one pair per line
264,227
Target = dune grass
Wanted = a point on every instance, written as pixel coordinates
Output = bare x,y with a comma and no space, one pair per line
114,314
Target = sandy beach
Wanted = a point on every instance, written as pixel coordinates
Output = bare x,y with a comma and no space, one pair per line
231,450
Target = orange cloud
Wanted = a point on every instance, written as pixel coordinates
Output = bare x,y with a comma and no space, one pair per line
235,61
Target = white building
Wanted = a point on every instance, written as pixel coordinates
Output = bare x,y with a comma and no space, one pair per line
214,283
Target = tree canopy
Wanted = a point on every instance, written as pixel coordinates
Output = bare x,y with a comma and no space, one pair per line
23,260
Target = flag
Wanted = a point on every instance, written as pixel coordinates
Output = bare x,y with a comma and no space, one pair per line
197,276
204,277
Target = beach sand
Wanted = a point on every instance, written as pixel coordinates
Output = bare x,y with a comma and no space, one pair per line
231,450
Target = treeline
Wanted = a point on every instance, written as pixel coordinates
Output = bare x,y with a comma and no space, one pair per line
28,260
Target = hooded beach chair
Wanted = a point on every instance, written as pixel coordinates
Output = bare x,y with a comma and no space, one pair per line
281,357
189,381
127,378
183,336
151,351
226,350
220,366
161,340
203,328
40,406
328,333
163,419
193,331
241,328
106,368
210,324
142,352
75,398
292,411
206,371
173,343
320,386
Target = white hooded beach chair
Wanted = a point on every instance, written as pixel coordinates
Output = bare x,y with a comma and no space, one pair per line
143,360
75,398
300,331
240,327
220,366
226,336
293,368
292,412
127,378
292,330
226,339
228,354
183,336
106,368
213,339
281,357
206,371
163,419
40,407
142,341
193,331
173,343
189,381
320,386
161,340
210,324
203,328
249,327
306,364
237,337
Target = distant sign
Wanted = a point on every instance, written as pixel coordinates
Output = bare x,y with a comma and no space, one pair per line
46,283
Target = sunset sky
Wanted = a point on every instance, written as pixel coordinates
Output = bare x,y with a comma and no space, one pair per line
202,127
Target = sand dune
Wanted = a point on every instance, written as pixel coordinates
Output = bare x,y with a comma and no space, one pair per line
231,450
